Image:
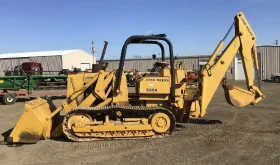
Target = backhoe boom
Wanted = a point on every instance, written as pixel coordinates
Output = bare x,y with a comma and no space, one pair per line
244,41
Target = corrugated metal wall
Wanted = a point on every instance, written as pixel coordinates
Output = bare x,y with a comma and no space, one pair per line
49,63
270,60
145,64
9,64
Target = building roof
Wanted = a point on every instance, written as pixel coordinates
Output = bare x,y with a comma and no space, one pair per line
37,54
268,46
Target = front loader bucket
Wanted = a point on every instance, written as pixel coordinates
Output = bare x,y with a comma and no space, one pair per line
33,124
237,96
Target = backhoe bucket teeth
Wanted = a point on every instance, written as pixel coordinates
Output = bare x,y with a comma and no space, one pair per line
33,124
238,97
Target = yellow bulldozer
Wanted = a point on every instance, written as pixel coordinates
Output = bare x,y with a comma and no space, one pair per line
99,105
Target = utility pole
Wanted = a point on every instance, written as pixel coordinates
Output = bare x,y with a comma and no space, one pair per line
92,48
276,42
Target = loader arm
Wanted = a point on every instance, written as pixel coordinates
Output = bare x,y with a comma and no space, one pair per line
40,119
212,75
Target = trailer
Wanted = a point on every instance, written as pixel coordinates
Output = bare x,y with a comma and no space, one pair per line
13,87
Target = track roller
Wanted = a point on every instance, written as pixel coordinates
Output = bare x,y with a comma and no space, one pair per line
117,122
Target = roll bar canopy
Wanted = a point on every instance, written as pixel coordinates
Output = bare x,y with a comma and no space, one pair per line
138,39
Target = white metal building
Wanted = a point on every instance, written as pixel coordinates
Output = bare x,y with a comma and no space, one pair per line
239,70
269,63
50,60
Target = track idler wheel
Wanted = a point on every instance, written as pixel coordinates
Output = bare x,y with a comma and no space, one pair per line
79,120
160,122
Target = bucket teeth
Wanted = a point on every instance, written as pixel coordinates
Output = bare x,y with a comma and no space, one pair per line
26,138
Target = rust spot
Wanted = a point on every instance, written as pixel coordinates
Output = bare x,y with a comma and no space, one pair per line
123,103
28,138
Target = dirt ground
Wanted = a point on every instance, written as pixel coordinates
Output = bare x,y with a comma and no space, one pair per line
227,135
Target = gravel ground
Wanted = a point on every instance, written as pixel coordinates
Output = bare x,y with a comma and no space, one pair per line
227,135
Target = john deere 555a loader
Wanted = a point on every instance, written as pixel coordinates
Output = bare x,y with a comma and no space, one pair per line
99,105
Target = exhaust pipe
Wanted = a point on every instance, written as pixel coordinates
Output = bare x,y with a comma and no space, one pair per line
97,67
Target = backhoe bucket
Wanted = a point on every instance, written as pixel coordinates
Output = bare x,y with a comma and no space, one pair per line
33,124
238,97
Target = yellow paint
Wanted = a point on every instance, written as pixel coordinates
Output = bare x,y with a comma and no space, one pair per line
98,89
244,41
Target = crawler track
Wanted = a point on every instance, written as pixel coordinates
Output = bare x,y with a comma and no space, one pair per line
133,111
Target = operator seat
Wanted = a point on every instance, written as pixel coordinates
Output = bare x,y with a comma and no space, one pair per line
161,64
156,70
